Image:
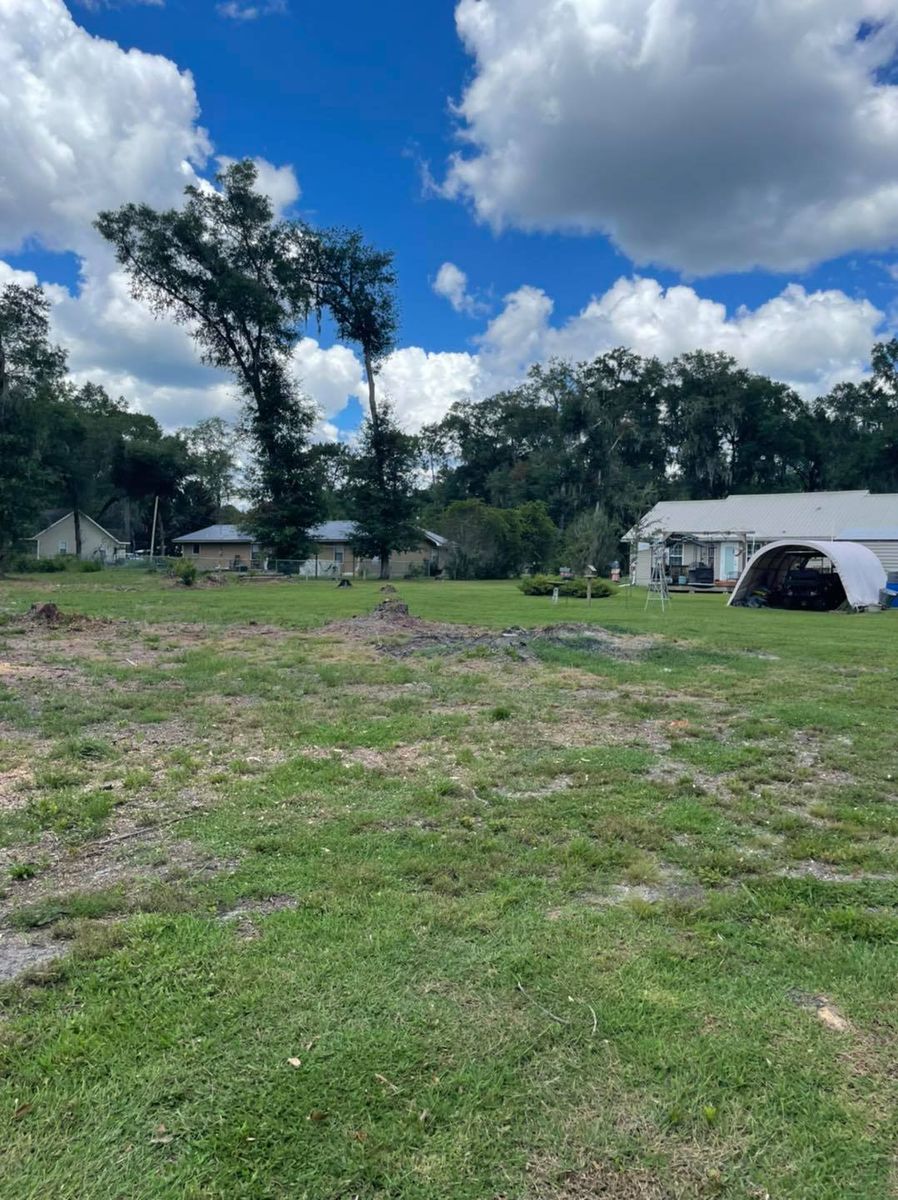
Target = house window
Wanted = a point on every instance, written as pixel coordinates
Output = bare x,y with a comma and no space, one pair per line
675,557
63,547
195,547
338,556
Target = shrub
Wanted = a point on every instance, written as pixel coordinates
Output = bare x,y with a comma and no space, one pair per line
89,566
41,566
185,572
544,585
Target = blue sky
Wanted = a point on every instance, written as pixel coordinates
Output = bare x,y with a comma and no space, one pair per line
558,148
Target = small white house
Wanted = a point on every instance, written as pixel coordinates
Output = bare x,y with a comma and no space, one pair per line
97,543
714,539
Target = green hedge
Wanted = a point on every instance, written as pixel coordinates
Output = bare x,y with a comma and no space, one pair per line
29,565
544,585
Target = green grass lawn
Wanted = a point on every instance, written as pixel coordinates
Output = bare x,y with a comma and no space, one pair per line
313,920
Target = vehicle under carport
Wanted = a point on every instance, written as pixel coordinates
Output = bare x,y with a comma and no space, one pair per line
820,576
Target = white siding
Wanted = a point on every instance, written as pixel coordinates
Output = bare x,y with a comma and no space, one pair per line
643,565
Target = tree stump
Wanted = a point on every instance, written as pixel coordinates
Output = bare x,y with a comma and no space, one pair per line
49,614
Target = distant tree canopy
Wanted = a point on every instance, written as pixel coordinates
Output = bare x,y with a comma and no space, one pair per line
599,442
67,446
550,472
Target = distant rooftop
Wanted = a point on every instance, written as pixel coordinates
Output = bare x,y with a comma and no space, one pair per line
217,533
344,531
328,531
775,515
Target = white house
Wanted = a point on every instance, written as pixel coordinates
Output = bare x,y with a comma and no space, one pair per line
97,543
714,539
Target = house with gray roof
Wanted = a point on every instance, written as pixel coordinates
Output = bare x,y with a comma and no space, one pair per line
220,548
225,547
716,538
335,556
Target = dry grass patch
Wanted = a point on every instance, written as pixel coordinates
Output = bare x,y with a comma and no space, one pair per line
597,1181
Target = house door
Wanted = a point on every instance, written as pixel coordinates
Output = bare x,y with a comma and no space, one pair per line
728,562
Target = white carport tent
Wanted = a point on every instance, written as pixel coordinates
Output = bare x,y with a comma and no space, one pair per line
861,572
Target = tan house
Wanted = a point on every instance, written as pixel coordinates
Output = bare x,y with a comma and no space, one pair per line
334,555
220,548
225,548
97,543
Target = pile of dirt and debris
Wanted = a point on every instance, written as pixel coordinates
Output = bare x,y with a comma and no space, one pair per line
49,616
522,644
416,636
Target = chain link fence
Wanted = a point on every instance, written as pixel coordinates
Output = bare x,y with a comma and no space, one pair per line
308,568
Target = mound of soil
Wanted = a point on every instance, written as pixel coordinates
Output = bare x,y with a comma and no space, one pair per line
415,636
49,616
390,608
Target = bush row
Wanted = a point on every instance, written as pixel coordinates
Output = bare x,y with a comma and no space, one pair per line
30,565
544,585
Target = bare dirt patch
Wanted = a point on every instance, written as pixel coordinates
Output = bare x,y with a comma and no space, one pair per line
827,1012
675,891
598,1181
412,635
558,783
20,953
133,859
398,760
811,869
13,788
243,917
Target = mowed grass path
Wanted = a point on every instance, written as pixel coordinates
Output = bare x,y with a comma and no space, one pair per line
445,926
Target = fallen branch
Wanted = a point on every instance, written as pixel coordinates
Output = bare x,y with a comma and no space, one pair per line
541,1007
123,837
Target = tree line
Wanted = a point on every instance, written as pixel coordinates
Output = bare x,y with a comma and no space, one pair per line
599,442
70,446
552,471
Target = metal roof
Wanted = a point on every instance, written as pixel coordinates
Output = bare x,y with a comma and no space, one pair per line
344,531
328,531
217,533
333,531
771,516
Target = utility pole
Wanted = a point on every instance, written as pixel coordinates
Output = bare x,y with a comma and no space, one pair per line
153,534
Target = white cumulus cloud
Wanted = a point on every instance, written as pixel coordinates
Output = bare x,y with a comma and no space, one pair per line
706,136
422,384
85,125
807,339
451,283
279,184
